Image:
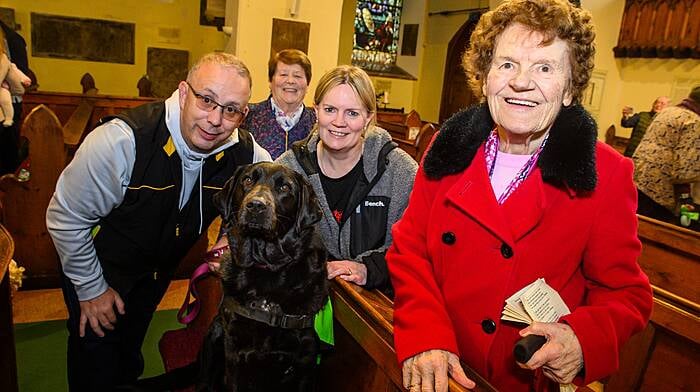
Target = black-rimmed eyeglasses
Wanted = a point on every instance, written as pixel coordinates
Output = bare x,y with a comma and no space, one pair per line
229,112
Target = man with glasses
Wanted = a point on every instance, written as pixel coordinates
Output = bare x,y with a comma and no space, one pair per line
135,198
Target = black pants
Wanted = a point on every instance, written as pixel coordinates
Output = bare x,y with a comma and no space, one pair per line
101,363
9,143
648,207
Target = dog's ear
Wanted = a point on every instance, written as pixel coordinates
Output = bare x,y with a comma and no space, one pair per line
308,207
223,200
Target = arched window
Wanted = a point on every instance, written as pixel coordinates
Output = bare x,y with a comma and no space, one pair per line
376,36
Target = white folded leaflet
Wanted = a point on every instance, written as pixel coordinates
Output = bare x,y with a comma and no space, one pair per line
537,301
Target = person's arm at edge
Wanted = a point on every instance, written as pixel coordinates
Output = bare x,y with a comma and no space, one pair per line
630,122
91,186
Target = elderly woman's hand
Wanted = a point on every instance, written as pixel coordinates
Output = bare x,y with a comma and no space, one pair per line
427,371
348,270
561,358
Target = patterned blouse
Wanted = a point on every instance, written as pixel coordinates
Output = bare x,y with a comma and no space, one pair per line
640,122
262,123
669,153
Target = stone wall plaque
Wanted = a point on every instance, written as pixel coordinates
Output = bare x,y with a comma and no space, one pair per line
7,16
165,69
82,39
288,34
410,40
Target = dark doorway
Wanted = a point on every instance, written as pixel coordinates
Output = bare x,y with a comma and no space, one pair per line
456,94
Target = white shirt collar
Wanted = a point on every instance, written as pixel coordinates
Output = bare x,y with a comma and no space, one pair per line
285,121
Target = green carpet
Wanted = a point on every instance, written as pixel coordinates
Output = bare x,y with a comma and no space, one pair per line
41,352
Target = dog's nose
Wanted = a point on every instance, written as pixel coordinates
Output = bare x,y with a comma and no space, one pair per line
255,205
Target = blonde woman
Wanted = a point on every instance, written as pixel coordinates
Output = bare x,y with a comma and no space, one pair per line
361,179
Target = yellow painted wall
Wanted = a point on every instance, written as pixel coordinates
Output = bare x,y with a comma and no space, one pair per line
439,31
347,32
634,82
255,33
148,15
401,92
430,82
253,37
607,15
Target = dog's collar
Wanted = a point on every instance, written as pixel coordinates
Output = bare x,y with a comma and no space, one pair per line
269,313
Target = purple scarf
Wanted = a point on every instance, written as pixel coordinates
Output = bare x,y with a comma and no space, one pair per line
690,105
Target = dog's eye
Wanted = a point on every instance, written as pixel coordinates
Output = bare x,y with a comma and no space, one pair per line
284,188
247,181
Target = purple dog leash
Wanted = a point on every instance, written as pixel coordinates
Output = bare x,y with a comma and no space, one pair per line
189,310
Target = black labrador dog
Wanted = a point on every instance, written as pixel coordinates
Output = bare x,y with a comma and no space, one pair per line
274,282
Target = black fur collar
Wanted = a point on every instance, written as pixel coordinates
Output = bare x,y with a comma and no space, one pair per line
568,159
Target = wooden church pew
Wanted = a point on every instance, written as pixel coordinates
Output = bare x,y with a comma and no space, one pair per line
64,105
417,147
400,125
364,358
77,125
425,136
50,150
619,143
666,355
8,363
408,131
25,202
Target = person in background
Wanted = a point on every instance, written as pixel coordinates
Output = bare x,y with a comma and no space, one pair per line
639,122
667,161
282,118
361,178
16,50
512,190
132,202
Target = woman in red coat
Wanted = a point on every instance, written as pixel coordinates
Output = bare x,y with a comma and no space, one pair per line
511,191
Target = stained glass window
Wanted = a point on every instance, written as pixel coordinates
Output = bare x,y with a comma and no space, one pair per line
376,42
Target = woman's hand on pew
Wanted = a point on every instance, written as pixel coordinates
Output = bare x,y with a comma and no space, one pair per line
348,270
99,312
428,371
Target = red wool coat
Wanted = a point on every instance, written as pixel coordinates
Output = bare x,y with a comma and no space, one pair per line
457,255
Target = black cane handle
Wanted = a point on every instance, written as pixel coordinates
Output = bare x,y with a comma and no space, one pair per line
527,346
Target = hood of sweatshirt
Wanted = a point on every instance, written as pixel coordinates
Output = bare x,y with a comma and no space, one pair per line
192,161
